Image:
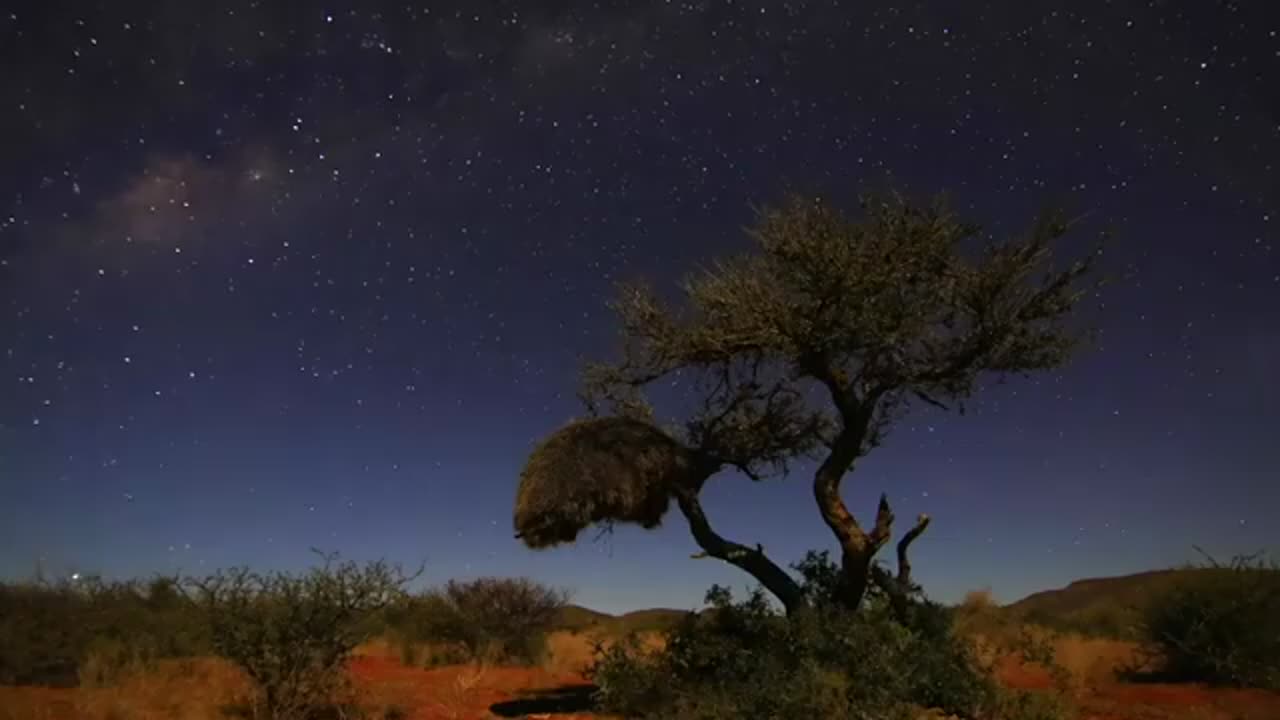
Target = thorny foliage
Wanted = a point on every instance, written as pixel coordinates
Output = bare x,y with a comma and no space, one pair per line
744,659
91,630
879,312
292,633
1220,623
490,618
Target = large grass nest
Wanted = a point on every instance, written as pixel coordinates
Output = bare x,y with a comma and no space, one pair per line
601,470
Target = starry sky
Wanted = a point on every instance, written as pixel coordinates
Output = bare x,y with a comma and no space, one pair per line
276,276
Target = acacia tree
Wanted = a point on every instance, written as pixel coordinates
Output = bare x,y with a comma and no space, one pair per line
810,346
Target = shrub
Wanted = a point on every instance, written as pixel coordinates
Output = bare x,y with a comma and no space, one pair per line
489,619
746,659
1027,705
292,634
978,616
1108,621
40,640
1116,620
134,624
1220,625
409,650
92,631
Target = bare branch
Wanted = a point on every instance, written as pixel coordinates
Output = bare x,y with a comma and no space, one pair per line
884,523
900,589
904,563
753,561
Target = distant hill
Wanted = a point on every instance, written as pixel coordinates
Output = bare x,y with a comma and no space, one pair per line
1099,606
578,618
1084,594
1094,606
653,619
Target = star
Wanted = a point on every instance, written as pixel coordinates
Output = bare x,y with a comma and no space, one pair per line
255,257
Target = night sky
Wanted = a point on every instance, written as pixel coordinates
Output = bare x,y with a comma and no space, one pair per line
278,275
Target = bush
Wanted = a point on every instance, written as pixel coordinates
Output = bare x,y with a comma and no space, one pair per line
1115,620
91,631
1219,625
41,641
292,634
488,619
978,616
746,659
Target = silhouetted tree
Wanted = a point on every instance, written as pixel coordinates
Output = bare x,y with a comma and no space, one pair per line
809,347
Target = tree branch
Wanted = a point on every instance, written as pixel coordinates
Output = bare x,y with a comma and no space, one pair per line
880,313
821,368
848,445
904,564
883,529
753,561
900,588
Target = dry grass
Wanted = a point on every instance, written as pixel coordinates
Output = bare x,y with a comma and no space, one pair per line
1087,661
188,689
456,699
979,600
568,652
201,689
571,653
414,654
378,648
1094,661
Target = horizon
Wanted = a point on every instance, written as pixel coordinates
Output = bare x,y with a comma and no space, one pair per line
740,588
625,600
273,280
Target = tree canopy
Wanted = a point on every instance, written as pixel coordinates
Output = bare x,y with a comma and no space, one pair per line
811,344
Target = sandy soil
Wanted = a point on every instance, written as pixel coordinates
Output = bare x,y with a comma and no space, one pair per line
1099,695
197,690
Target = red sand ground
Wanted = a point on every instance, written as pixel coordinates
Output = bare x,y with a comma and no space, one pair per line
465,693
1112,700
458,693
434,697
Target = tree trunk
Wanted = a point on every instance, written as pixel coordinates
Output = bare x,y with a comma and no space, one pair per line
855,570
900,589
857,547
751,560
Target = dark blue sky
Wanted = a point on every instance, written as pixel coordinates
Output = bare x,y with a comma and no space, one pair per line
319,275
